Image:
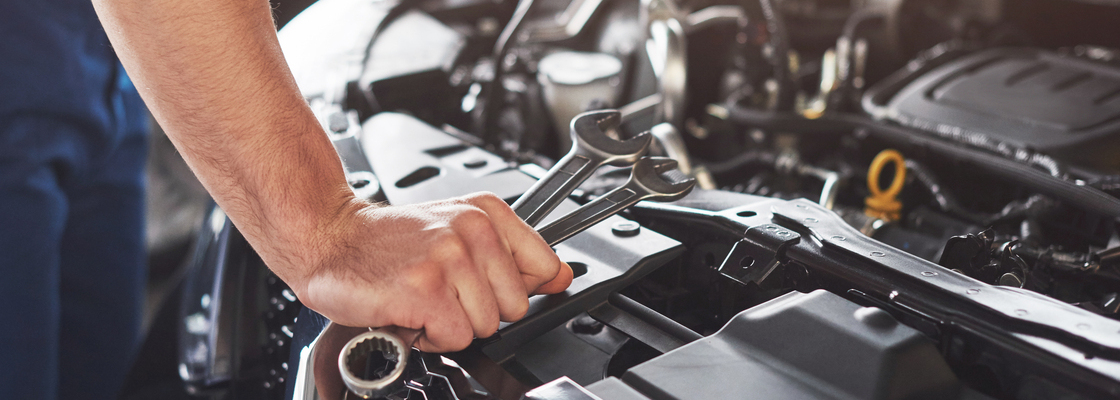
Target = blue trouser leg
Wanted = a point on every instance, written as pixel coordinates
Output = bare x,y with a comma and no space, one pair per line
71,253
33,210
102,275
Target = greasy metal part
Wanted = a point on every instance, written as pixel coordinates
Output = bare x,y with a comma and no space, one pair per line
652,178
831,181
789,161
673,145
667,50
566,25
715,15
639,106
591,149
355,357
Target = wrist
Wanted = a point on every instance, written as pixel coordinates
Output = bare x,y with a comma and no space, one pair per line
324,244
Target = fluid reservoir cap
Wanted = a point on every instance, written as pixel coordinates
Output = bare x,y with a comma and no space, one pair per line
578,68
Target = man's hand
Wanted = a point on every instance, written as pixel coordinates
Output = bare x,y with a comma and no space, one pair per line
452,267
212,73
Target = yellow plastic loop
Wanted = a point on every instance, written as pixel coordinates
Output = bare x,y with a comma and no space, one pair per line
882,204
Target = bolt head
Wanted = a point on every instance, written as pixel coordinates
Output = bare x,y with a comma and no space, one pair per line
626,229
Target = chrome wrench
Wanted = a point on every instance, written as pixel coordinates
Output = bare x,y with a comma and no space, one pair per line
652,178
591,149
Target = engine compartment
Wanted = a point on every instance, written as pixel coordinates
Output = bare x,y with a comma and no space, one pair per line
944,173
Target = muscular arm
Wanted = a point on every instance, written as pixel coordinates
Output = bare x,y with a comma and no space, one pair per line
213,75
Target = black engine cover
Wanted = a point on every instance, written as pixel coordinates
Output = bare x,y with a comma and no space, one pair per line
1030,99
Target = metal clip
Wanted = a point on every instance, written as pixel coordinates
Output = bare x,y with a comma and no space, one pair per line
758,254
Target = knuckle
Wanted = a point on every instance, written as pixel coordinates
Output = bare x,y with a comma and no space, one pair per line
461,338
425,280
489,199
472,217
518,308
448,248
489,329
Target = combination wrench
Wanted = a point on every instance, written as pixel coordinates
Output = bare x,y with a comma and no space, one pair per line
651,178
591,148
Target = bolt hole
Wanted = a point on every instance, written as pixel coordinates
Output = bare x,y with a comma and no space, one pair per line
746,261
578,269
418,176
746,214
359,183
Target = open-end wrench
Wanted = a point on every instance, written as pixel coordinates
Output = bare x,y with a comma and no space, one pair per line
652,178
591,149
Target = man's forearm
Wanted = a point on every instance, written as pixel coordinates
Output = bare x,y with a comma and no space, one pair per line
213,75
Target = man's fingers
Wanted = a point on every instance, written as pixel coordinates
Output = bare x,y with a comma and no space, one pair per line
491,254
446,328
560,283
477,299
535,260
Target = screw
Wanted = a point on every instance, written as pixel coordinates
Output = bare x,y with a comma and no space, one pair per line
626,229
475,164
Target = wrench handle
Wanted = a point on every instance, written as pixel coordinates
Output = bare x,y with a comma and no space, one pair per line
589,214
553,188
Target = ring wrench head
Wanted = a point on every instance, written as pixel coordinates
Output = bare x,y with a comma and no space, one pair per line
590,138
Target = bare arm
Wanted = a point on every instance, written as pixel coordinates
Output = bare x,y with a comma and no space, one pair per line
213,75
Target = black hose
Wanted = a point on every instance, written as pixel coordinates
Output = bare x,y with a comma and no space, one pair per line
924,146
843,93
779,41
495,93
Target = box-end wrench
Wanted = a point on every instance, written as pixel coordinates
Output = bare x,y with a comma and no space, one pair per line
652,178
591,149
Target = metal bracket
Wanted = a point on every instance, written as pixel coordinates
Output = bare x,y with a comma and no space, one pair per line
758,254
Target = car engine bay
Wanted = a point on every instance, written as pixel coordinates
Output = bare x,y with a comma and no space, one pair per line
895,199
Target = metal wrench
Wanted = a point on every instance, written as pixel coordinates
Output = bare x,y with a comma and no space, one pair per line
652,178
591,149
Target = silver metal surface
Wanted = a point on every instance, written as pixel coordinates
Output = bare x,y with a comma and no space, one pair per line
354,355
672,144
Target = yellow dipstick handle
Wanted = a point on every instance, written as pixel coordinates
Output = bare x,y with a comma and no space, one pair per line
882,204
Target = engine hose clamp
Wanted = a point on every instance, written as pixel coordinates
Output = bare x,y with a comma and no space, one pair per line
883,204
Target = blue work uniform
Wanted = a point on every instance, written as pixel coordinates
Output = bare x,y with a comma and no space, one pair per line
73,143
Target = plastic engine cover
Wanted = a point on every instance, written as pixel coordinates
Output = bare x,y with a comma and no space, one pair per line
798,346
1032,99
